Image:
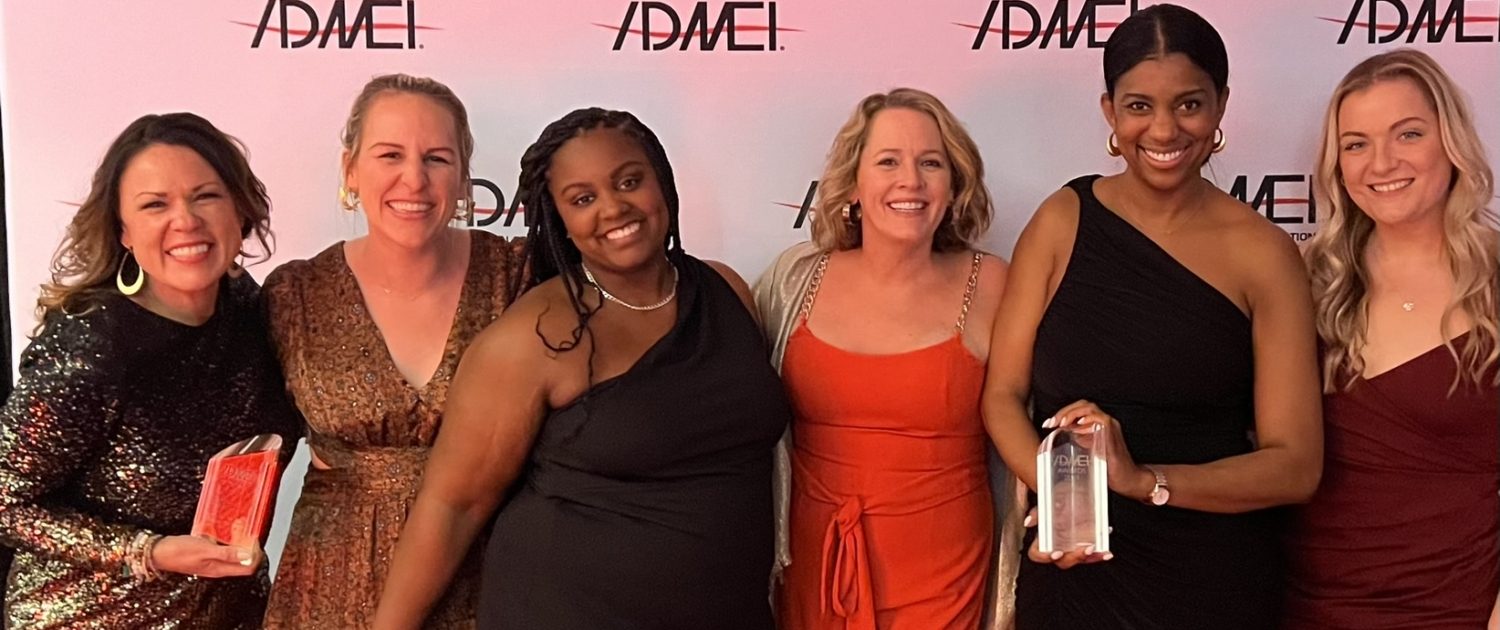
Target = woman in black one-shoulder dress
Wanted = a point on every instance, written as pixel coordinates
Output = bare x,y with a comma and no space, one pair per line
625,409
1173,317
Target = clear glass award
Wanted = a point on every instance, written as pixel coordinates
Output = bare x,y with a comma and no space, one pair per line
1073,490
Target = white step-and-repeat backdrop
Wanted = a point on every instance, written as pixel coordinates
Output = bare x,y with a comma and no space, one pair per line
746,96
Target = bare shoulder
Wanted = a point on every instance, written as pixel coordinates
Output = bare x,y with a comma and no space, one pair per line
542,312
1254,240
1262,253
1056,216
741,288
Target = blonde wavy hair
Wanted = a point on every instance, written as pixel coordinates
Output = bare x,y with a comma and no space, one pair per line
384,84
972,209
84,266
1335,256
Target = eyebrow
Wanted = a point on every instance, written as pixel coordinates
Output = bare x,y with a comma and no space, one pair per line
394,145
940,151
157,193
1196,92
1400,123
626,166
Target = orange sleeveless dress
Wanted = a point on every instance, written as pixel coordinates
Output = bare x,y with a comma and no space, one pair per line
891,516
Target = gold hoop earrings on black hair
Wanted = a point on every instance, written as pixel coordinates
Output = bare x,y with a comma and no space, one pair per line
1219,141
1111,145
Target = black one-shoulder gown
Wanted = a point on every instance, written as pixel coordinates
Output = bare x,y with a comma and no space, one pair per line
646,503
1161,350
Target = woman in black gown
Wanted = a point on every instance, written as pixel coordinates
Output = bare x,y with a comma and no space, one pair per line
624,403
1153,305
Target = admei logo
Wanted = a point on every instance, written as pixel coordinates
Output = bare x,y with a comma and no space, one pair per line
804,208
1427,21
486,214
1282,198
1059,24
707,26
372,24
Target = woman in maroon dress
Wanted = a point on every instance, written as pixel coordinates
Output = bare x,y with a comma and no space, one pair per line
1405,530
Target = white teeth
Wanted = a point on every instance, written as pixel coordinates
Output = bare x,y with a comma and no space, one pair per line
188,250
1163,157
1392,186
909,205
410,206
624,231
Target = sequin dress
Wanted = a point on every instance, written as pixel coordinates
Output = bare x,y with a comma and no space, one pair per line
113,420
372,428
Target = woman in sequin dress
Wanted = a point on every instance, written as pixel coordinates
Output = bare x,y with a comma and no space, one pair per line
369,333
152,356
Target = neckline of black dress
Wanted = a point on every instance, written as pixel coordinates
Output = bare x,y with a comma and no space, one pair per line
1218,296
688,286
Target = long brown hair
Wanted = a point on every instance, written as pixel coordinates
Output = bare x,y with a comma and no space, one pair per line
85,263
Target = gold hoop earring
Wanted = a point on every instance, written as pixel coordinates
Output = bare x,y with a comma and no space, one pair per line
140,276
348,199
1111,146
1219,141
851,213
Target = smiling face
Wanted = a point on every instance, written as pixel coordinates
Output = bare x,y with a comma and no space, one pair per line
1391,153
177,217
904,180
610,200
406,168
1164,112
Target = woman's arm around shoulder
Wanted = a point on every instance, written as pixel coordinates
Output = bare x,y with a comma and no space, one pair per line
495,407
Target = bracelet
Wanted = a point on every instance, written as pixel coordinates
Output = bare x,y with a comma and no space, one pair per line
138,563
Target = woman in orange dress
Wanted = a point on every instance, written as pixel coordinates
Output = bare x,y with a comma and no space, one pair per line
882,327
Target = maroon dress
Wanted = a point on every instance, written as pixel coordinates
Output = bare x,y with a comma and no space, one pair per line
1404,531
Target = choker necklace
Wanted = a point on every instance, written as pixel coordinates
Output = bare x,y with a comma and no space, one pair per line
588,275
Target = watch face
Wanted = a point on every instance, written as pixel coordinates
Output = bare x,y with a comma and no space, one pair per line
1160,495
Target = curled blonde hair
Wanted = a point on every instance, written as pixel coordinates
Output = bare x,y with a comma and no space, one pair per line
1335,255
972,210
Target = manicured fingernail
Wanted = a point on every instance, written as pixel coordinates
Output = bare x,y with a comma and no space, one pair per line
245,557
1057,555
1108,555
1049,422
1029,520
1088,549
1098,427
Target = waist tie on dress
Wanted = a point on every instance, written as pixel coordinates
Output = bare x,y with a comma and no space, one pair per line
383,472
844,587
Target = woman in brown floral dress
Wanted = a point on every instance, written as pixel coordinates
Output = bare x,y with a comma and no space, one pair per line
369,333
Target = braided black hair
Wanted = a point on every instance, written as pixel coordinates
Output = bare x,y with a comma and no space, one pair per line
548,251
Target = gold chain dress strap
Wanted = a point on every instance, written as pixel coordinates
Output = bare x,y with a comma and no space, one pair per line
812,287
969,292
